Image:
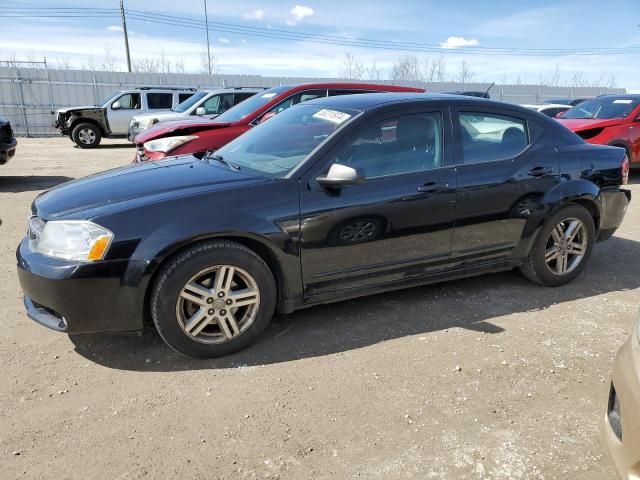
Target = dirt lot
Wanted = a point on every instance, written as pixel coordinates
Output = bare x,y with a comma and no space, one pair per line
363,389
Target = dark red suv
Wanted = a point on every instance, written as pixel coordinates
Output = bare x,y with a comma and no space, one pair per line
197,136
608,120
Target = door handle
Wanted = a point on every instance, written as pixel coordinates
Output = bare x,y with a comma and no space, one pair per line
540,171
432,187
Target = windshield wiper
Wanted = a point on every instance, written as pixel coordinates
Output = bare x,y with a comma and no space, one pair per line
221,159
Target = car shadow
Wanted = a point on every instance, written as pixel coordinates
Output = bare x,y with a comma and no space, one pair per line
634,177
29,183
472,304
104,145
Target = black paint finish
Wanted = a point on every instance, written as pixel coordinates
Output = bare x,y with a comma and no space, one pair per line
450,222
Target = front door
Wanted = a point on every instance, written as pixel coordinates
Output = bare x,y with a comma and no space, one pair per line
129,104
503,171
395,225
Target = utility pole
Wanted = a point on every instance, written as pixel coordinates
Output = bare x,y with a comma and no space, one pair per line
206,21
126,37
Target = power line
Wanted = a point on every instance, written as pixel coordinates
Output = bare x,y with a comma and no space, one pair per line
279,34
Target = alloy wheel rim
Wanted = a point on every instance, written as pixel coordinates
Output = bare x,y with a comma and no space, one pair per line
566,246
218,304
87,136
358,231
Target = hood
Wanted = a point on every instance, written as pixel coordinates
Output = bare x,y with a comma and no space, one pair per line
162,115
137,185
577,124
82,107
185,127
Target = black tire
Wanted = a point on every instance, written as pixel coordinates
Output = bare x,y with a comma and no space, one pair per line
86,135
178,272
535,267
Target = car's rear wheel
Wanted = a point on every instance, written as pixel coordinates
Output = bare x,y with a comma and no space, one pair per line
213,299
86,135
562,247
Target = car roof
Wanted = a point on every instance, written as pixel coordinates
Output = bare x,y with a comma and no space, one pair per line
232,90
365,101
351,85
620,96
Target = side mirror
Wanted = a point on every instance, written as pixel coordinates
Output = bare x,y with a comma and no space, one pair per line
201,111
267,116
116,106
339,176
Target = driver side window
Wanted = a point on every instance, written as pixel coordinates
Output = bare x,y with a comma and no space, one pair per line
404,144
129,101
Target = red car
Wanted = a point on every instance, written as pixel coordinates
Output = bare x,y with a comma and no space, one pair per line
197,136
608,120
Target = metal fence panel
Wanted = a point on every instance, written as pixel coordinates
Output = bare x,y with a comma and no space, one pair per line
30,96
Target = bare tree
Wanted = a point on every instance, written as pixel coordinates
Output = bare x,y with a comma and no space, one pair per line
109,63
145,65
465,75
164,63
204,62
373,72
407,69
62,63
579,80
440,69
352,69
179,65
428,70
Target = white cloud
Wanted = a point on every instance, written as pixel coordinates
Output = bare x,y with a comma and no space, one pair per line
114,28
299,13
457,42
224,40
254,15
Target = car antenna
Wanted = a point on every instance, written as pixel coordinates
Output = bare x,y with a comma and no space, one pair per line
484,95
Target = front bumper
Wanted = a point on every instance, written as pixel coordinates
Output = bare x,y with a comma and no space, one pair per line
7,150
133,130
76,297
143,155
621,430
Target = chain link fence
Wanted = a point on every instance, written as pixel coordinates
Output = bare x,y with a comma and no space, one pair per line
30,92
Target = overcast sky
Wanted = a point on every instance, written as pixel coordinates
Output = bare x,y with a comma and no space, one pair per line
447,25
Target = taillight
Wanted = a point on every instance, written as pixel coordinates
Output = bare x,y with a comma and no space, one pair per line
625,170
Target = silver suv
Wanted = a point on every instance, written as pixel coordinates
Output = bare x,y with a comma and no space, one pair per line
205,104
87,125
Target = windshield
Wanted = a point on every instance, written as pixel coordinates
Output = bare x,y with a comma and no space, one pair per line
108,98
250,105
189,102
276,147
603,108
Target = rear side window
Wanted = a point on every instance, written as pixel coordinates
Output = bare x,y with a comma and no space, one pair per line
334,93
239,97
298,98
156,101
491,137
184,96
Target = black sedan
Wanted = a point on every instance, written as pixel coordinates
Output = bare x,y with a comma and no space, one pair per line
331,199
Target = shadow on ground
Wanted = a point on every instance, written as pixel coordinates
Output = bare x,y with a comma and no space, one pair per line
471,304
107,146
30,183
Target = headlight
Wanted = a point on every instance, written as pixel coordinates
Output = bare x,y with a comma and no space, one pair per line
72,240
167,144
150,122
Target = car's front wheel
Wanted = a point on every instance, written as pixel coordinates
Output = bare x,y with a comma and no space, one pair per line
562,247
213,299
86,135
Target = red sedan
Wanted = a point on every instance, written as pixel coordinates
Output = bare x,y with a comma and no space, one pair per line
198,136
608,120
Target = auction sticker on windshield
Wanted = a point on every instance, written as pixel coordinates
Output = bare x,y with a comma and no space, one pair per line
332,116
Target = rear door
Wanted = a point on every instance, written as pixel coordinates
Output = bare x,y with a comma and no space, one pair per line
505,163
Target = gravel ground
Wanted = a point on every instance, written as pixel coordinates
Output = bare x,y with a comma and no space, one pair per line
487,378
